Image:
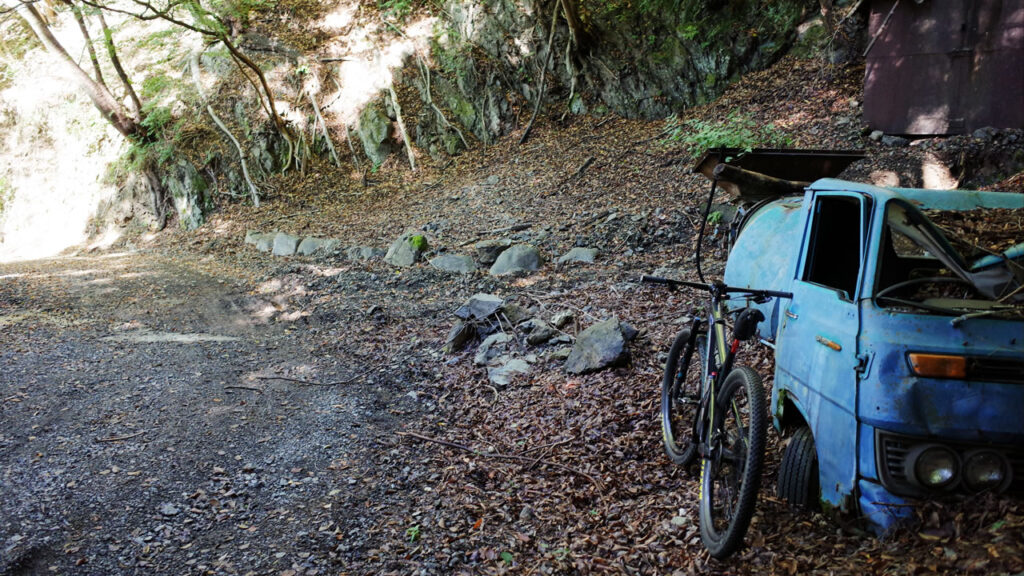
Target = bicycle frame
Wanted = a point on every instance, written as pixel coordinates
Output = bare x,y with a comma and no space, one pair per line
715,372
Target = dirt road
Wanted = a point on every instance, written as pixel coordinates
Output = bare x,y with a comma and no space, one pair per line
141,431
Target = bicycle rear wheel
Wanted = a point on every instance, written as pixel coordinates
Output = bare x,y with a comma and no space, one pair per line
681,388
731,471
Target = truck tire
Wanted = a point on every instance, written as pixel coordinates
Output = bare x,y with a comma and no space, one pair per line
798,473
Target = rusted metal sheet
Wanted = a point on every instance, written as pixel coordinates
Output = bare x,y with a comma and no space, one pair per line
945,67
785,164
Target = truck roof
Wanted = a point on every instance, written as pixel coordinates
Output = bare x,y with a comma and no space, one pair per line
929,199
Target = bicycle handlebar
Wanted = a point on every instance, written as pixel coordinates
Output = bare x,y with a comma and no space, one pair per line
717,287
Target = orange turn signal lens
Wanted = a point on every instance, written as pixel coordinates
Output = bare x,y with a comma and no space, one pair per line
938,365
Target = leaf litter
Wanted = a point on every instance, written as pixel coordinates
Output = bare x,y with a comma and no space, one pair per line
429,468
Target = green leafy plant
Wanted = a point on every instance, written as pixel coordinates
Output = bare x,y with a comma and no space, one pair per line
6,193
398,9
413,533
737,130
507,557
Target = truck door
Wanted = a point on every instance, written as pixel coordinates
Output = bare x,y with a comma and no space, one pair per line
817,346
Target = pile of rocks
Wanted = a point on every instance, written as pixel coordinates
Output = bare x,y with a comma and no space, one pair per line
513,338
500,257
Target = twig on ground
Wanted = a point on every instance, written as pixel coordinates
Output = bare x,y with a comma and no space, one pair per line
314,383
513,228
120,438
240,387
548,445
583,168
500,456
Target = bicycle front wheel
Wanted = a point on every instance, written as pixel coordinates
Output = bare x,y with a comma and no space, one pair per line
681,388
731,470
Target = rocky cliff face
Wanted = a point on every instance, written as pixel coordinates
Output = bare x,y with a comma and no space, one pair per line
637,61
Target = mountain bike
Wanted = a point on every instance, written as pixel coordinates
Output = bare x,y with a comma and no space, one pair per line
714,409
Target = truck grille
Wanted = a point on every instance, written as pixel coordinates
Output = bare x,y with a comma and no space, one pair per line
891,453
1007,370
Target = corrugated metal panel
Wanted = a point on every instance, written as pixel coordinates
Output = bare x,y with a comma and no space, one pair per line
945,66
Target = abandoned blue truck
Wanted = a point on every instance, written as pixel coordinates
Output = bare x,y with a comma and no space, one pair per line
900,357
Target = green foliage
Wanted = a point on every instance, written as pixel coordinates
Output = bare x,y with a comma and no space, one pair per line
702,26
242,9
419,243
155,86
159,39
6,193
397,9
207,19
16,39
413,533
737,130
715,217
507,557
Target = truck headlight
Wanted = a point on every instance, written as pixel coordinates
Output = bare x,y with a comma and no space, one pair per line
985,470
932,466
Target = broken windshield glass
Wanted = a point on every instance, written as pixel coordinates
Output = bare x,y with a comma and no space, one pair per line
967,262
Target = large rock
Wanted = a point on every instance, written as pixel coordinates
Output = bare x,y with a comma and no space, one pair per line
502,374
479,306
458,263
560,319
515,313
266,243
458,337
375,132
407,249
491,347
189,193
262,242
364,253
285,244
487,251
253,237
312,245
578,254
600,346
518,258
540,333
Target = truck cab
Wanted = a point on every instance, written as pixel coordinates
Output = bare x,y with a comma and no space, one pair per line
899,360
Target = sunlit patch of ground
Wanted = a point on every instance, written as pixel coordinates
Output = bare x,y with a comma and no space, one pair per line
54,149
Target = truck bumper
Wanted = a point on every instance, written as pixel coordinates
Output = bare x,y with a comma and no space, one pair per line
882,510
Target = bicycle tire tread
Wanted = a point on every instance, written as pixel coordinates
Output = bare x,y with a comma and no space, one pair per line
730,540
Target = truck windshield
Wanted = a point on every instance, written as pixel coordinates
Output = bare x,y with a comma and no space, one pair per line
957,262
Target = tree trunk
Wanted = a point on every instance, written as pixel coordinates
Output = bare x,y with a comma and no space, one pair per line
108,40
88,41
576,27
101,97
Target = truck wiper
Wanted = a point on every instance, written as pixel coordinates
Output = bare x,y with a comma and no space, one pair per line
921,305
983,313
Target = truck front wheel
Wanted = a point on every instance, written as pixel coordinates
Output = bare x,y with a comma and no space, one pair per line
798,474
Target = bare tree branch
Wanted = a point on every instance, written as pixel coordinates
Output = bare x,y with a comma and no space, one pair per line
108,40
88,40
101,97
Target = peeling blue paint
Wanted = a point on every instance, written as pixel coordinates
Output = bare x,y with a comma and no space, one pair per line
842,352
